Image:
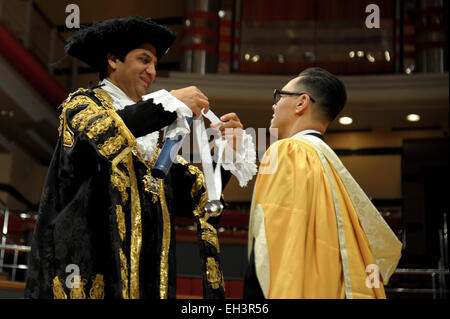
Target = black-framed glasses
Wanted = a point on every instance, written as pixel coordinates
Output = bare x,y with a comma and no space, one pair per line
278,93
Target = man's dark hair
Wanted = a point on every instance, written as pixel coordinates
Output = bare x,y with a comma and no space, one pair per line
326,89
120,54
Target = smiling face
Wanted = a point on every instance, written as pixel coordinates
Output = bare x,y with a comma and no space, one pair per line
137,73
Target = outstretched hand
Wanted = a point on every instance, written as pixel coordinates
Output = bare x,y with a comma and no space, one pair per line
231,129
195,99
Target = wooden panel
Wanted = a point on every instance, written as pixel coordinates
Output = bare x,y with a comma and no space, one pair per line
352,9
269,10
339,67
285,36
234,289
13,285
379,176
191,288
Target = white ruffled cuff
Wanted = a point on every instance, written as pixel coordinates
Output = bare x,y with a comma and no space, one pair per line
172,104
241,163
147,145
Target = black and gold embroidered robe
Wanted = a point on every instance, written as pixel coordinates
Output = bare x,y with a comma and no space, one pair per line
99,233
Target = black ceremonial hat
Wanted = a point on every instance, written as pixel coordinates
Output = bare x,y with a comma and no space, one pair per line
117,36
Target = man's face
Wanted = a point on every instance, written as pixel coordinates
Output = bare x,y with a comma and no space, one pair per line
284,111
137,73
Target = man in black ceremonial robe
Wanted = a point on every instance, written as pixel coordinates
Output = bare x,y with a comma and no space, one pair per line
105,226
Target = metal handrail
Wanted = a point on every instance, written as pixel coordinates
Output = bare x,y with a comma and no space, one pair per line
406,271
4,246
22,248
23,267
414,290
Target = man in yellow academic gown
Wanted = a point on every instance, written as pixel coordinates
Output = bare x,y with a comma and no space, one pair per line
313,233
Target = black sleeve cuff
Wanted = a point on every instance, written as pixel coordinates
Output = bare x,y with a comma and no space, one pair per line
146,117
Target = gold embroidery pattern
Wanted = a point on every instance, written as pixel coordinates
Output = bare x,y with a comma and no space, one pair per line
119,179
164,268
213,273
150,183
112,145
58,290
200,209
124,274
121,182
99,126
82,118
104,97
136,232
68,137
205,225
210,233
98,288
120,221
77,290
69,97
124,142
76,101
181,160
62,122
211,237
68,103
199,182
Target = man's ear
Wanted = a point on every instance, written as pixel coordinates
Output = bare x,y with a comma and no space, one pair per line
302,105
112,61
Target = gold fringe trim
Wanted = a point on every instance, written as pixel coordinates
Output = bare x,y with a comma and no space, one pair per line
77,290
58,290
98,288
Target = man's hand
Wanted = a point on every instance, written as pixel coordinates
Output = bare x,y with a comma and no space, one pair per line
193,98
231,129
